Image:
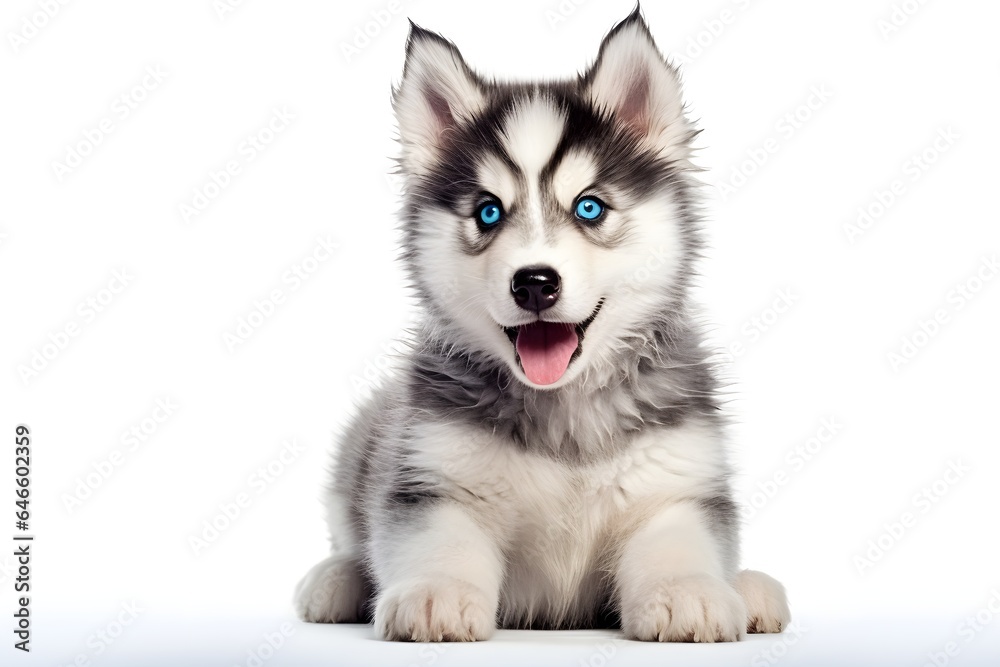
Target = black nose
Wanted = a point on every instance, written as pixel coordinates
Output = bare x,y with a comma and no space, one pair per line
535,289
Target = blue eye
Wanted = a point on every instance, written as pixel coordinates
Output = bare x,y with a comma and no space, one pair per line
589,208
489,213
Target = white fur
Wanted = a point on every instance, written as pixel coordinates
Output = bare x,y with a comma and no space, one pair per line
673,583
576,172
694,607
497,178
435,608
532,134
440,582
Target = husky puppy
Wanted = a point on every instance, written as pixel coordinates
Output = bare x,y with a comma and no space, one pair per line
551,452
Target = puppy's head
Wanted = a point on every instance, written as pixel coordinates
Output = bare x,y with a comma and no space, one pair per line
546,225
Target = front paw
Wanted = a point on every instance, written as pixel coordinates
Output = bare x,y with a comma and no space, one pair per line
693,608
435,609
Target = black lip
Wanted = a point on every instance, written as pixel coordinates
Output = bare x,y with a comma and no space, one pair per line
581,330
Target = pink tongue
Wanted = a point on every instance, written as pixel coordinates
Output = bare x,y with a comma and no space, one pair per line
545,349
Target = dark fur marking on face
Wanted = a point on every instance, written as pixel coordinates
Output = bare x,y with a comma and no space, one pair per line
623,163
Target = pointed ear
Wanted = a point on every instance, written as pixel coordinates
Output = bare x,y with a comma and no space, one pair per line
438,92
633,83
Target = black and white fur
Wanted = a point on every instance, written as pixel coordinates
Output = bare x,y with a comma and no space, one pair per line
466,498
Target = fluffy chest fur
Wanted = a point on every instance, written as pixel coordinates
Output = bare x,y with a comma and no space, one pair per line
559,523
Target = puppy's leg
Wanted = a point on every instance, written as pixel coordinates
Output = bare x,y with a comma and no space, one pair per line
438,574
672,581
333,591
767,605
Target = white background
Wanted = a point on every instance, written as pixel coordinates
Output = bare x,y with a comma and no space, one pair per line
887,92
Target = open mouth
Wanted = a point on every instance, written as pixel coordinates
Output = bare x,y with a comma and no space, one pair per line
546,349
